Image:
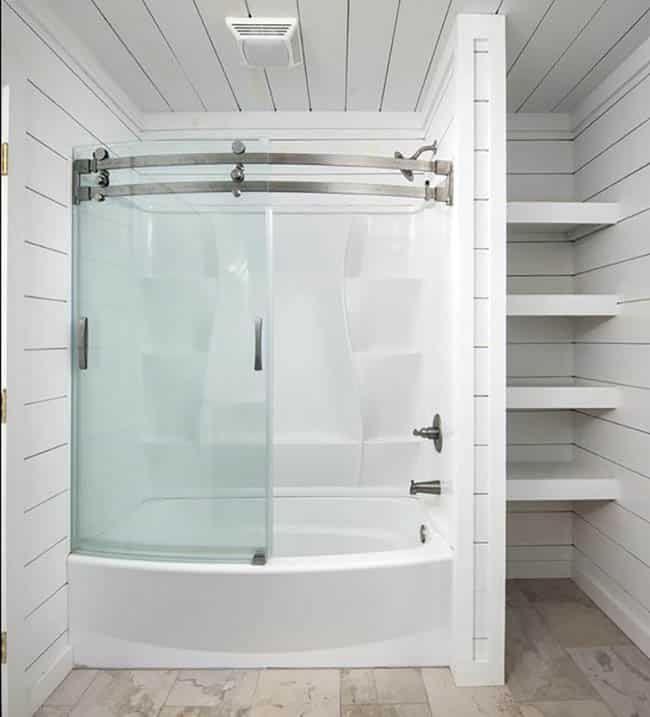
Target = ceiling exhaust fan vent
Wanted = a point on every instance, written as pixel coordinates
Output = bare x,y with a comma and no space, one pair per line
267,41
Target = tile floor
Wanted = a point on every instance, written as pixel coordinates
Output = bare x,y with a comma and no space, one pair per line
564,659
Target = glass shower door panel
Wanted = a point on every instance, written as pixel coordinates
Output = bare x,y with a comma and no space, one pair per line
170,418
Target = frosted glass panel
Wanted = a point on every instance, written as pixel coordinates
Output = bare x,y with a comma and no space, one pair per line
170,423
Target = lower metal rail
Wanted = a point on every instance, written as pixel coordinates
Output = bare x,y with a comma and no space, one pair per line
426,193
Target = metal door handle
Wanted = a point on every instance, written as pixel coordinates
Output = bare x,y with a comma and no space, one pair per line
258,344
82,342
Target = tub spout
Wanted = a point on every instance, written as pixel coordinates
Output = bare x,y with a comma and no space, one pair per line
432,487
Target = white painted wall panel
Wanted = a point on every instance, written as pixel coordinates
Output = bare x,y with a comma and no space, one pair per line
611,539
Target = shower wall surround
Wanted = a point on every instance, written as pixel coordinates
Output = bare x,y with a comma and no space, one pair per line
362,307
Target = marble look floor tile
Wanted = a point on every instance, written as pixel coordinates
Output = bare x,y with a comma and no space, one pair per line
576,708
574,624
310,693
69,692
438,681
554,589
417,710
537,667
358,687
465,704
125,693
621,675
400,686
229,689
515,596
49,711
196,712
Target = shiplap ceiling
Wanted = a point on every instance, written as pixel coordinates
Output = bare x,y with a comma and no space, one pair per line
359,55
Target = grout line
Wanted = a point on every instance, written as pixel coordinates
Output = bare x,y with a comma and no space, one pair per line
433,54
81,79
174,55
47,599
45,298
45,450
613,263
618,181
610,460
130,52
47,500
610,146
559,59
611,539
390,56
216,54
583,412
593,67
46,196
45,400
533,33
47,248
38,657
609,107
347,56
47,550
47,146
304,56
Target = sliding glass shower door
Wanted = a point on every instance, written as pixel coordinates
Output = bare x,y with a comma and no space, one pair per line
171,377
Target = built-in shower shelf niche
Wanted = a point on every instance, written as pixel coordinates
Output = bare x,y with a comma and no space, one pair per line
569,305
561,397
571,219
586,477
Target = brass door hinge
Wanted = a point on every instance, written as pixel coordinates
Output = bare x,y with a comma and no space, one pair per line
4,159
3,408
3,649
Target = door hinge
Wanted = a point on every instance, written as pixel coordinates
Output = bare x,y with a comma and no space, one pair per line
3,649
3,408
4,159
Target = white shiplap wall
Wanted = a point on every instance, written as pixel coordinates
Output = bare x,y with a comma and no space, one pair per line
53,109
599,154
479,543
539,535
612,560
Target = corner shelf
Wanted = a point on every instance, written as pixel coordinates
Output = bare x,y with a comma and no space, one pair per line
558,398
571,218
562,305
586,478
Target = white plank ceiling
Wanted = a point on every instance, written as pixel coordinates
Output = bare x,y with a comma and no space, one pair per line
359,55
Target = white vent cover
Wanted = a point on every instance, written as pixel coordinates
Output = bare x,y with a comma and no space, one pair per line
267,41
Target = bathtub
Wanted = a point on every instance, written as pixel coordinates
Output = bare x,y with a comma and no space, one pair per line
350,584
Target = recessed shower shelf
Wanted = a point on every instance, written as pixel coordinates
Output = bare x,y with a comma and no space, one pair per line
583,479
537,397
562,305
574,219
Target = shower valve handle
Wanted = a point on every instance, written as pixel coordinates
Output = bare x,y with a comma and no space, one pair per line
432,432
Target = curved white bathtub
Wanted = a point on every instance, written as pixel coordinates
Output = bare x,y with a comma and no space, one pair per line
350,584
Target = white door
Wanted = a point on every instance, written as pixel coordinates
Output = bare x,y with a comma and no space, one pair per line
14,685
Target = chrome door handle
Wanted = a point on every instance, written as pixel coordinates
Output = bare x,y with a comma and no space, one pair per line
258,344
82,342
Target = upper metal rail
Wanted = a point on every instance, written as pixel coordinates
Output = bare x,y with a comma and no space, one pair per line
360,161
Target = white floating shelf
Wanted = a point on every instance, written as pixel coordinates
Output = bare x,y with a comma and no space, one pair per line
572,218
580,480
561,397
562,305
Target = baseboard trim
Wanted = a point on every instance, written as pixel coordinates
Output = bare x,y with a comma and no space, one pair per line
51,679
620,607
538,569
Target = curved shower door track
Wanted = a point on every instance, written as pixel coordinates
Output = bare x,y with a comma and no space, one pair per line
102,164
